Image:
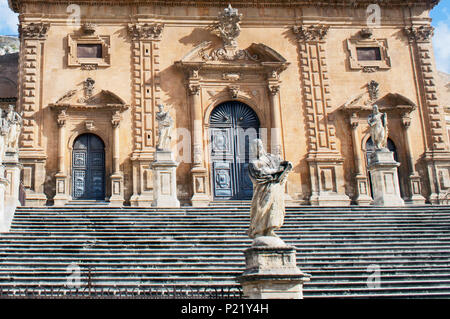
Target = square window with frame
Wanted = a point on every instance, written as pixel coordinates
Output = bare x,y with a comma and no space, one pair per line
88,50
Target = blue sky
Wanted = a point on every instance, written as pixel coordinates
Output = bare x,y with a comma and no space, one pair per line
440,15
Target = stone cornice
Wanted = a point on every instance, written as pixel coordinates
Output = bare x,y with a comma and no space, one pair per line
15,4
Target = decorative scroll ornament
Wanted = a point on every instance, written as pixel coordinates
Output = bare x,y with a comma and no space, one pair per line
423,33
228,26
310,33
34,30
228,29
227,54
146,31
373,89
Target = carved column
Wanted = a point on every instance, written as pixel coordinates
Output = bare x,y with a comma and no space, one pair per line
415,189
32,155
325,161
116,198
362,183
62,187
146,95
437,156
200,196
275,132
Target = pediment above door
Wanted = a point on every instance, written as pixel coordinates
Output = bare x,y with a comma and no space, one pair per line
257,57
88,98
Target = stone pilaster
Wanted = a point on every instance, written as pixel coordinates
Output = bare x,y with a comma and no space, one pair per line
62,188
32,155
200,186
146,95
117,192
437,156
325,161
362,182
415,188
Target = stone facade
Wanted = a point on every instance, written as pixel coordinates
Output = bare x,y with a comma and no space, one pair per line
297,66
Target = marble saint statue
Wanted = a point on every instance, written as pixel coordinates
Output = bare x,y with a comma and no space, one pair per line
4,127
165,124
14,122
378,128
268,173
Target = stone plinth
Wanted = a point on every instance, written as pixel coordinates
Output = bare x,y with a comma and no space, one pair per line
11,171
271,271
164,180
4,217
384,176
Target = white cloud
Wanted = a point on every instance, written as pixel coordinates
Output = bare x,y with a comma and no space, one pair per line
9,19
441,43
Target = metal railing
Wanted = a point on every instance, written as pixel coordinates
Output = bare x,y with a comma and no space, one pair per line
163,292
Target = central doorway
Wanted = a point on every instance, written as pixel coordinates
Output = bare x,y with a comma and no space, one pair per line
88,167
233,125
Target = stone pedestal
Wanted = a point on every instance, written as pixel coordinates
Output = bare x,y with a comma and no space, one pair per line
271,271
9,188
164,180
5,220
383,172
363,198
116,198
61,196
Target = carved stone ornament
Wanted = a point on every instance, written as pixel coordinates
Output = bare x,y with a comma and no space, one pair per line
228,26
146,31
234,91
274,89
423,33
88,28
373,89
34,30
310,33
115,120
88,87
366,33
62,117
194,89
228,54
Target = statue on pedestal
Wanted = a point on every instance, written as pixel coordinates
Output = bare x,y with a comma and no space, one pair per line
14,122
165,124
268,173
378,128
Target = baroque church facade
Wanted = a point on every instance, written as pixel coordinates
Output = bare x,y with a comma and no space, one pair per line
301,75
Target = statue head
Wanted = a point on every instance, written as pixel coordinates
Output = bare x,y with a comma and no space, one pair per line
375,109
161,107
10,108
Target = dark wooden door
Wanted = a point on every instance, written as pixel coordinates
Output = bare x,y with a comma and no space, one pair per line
88,168
233,125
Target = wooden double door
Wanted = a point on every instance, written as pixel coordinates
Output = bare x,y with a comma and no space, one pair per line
88,168
233,125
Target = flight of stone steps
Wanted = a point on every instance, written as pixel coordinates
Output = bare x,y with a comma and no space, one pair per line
343,248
